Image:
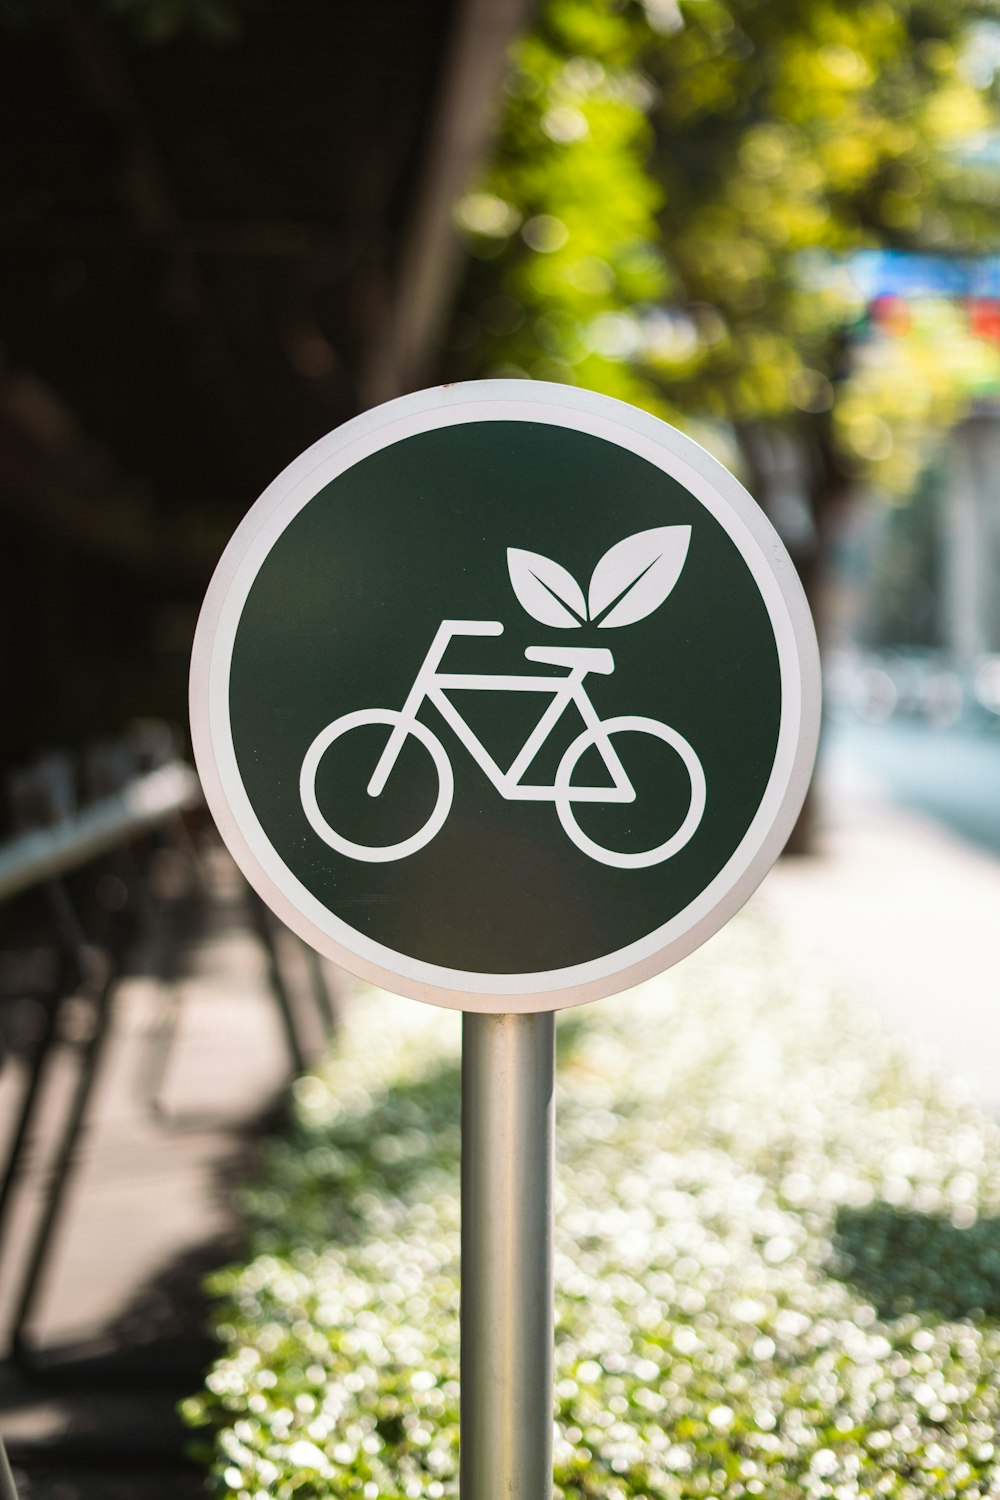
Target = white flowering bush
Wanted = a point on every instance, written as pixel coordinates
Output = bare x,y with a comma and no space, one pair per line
777,1258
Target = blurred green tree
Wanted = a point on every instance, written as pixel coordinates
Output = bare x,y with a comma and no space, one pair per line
676,191
674,186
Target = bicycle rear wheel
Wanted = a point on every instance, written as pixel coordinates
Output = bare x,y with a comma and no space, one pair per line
375,853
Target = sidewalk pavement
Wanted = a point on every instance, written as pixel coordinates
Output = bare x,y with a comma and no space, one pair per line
148,1213
905,916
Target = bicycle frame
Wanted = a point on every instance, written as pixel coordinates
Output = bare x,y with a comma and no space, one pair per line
431,685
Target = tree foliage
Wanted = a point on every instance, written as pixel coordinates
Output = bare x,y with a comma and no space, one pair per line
677,181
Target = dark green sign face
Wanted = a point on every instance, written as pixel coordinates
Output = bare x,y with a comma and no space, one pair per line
504,699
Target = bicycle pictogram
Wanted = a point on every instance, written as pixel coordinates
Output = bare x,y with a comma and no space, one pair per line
629,582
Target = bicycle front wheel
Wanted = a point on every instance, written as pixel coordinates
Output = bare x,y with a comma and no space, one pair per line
629,723
375,853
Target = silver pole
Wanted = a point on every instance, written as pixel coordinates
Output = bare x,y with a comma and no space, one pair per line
508,1133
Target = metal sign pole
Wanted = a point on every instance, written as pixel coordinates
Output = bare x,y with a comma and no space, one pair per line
508,1131
511,549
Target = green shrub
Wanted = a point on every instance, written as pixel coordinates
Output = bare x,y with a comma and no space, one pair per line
777,1258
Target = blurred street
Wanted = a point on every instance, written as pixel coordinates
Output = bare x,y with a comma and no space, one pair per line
951,775
901,902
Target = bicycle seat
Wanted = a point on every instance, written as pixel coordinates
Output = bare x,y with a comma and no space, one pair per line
590,658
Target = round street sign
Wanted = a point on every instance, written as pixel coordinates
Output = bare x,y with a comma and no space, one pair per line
505,696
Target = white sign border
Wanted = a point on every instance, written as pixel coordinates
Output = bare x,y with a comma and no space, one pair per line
627,427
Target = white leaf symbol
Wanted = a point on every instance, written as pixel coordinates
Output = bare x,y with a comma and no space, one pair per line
637,574
545,590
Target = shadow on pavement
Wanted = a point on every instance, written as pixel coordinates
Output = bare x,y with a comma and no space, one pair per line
105,1409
